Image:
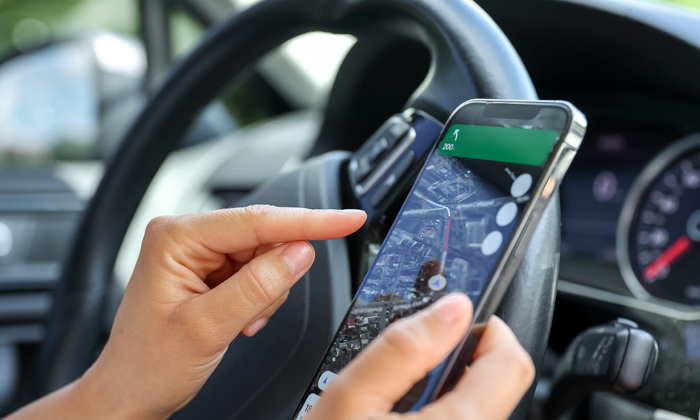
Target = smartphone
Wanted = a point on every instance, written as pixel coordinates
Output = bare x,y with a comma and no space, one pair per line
464,226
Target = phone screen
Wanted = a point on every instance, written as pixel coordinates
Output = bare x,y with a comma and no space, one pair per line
449,234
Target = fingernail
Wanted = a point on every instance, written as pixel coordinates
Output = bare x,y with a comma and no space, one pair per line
451,308
298,256
257,326
353,212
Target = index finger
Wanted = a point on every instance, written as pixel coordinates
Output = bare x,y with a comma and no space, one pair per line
232,230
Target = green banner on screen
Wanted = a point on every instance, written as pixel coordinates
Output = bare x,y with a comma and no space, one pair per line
502,144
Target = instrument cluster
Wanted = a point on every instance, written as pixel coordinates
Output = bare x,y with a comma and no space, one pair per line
631,208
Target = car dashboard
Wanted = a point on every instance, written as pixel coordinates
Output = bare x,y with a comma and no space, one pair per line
614,154
628,66
626,137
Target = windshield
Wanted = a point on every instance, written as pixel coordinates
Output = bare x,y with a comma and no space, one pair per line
51,91
47,107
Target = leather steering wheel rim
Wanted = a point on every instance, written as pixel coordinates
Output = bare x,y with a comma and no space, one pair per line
471,57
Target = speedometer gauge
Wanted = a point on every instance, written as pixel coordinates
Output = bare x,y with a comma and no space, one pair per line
658,240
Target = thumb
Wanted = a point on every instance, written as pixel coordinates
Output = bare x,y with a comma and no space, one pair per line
257,285
400,357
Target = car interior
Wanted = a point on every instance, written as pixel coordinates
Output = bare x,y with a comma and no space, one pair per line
282,102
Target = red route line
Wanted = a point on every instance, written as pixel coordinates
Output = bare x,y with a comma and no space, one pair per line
447,234
675,251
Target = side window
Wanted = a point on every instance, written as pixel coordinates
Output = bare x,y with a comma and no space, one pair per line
185,33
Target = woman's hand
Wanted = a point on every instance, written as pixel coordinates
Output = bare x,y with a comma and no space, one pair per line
490,389
200,280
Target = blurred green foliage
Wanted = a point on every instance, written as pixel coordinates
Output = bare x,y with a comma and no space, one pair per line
62,17
15,11
695,4
56,18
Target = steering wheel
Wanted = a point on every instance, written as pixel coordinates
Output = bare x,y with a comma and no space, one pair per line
264,377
